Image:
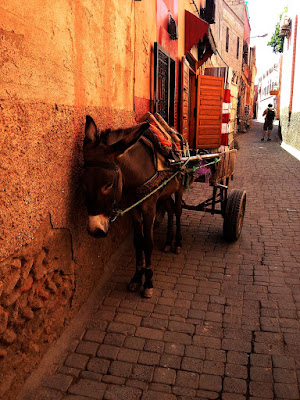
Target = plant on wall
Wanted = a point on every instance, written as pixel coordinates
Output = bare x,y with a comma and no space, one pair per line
276,40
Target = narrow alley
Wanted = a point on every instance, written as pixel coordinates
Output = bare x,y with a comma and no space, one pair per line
224,319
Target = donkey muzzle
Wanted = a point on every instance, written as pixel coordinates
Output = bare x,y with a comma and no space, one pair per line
98,225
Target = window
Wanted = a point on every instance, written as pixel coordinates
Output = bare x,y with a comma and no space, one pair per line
164,84
208,13
245,53
237,47
227,39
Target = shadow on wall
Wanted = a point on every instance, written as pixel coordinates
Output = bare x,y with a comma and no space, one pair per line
43,283
89,254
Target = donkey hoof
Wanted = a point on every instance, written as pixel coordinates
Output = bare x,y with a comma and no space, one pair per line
177,250
167,248
134,286
148,293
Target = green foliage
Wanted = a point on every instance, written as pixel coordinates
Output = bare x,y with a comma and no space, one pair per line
277,41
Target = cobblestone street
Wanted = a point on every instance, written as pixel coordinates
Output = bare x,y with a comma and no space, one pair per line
224,319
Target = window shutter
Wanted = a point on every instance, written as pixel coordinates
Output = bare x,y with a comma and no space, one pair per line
209,111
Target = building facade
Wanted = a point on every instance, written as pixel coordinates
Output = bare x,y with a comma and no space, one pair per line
228,32
290,81
268,84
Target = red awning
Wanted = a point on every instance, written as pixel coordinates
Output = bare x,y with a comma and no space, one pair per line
195,29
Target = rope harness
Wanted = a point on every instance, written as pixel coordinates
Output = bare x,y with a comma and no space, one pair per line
119,213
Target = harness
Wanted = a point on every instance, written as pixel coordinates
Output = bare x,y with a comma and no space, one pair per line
115,212
111,166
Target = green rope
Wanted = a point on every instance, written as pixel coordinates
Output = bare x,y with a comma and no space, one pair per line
216,160
122,212
195,167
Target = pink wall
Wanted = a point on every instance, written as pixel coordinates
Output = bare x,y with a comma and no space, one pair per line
163,38
143,105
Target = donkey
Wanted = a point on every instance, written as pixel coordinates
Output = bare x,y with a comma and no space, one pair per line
116,164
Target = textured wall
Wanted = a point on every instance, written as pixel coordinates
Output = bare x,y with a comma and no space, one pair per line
225,17
53,67
58,62
145,36
290,129
36,289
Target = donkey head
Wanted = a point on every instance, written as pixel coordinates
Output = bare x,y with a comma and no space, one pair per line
102,177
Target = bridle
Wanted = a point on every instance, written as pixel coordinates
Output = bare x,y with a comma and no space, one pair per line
114,212
112,166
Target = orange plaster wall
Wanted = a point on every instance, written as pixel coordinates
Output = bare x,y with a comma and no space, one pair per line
68,52
59,61
145,36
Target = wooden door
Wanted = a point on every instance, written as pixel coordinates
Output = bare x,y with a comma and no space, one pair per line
184,123
209,111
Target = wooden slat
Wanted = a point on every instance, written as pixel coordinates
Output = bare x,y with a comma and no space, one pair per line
209,111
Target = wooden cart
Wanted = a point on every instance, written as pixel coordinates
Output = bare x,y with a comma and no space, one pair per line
231,205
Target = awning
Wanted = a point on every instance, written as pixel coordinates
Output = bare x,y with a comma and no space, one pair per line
195,30
209,48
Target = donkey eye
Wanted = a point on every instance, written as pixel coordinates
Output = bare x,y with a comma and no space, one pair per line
107,187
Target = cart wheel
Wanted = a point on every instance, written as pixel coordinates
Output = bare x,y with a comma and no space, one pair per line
234,214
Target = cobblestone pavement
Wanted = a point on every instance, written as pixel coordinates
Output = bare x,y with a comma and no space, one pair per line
224,319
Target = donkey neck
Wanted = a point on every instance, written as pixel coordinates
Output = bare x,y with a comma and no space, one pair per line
136,166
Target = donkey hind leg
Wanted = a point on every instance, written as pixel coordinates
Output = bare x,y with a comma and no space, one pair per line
138,240
148,223
169,204
178,212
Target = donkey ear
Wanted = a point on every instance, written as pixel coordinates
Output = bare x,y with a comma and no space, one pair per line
122,145
90,129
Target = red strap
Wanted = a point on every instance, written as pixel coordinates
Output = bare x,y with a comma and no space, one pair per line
161,137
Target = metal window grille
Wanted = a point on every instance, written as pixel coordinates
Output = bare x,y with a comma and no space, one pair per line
164,84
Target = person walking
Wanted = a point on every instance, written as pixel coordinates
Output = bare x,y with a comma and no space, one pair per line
268,124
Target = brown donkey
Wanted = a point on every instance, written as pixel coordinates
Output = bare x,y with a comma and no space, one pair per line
117,164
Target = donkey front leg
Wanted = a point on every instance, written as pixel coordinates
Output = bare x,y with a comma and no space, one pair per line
138,240
148,223
178,212
169,204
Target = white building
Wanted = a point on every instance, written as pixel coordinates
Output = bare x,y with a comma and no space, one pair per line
267,83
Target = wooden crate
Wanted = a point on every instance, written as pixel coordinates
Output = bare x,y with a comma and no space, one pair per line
224,168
